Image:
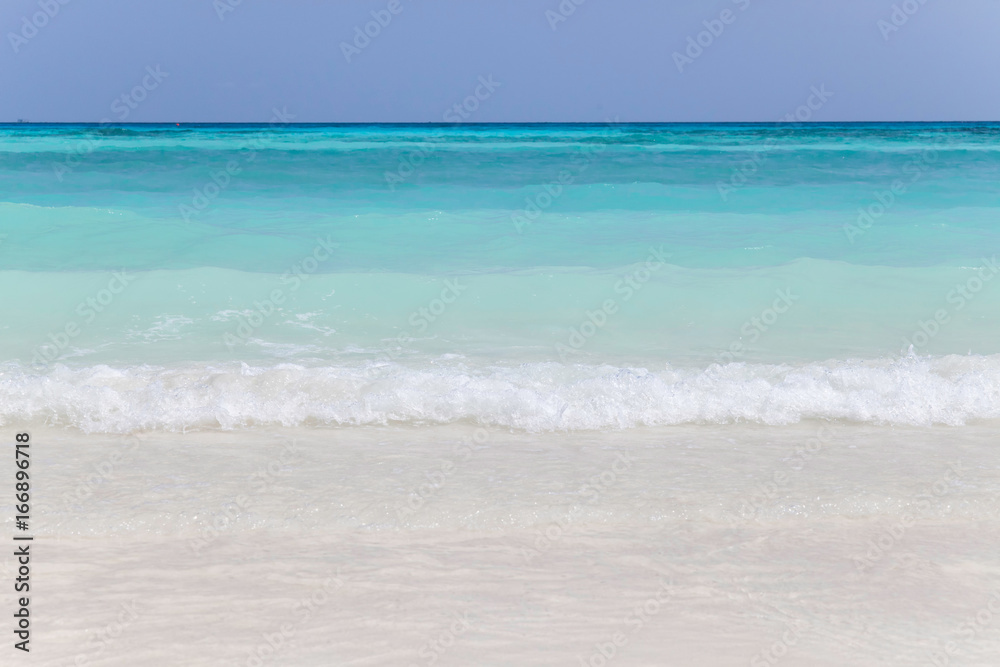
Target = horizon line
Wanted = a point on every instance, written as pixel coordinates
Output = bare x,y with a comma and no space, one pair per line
21,122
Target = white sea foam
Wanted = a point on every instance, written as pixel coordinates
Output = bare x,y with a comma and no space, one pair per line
539,397
164,327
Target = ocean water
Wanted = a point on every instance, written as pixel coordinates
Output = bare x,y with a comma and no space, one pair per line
539,277
744,379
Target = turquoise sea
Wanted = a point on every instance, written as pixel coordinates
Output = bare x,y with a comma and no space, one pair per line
530,277
537,394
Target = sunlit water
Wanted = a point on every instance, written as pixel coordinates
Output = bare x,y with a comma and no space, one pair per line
534,375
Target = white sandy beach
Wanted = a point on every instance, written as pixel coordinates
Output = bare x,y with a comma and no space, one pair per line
739,545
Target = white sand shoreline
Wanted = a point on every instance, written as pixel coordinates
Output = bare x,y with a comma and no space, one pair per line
508,554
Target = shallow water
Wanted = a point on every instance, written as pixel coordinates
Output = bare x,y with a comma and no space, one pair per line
554,378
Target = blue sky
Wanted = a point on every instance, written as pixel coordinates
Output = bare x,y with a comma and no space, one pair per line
637,60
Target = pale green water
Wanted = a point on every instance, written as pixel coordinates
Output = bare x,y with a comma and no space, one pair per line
528,276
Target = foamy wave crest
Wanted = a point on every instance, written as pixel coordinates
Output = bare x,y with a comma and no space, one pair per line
949,390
